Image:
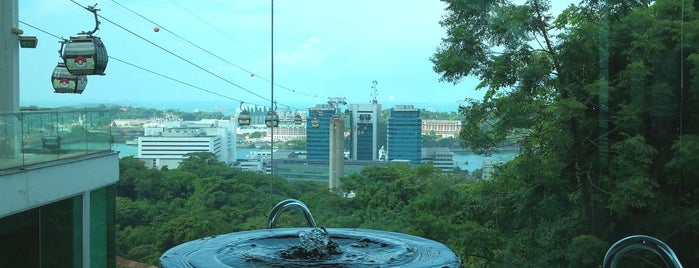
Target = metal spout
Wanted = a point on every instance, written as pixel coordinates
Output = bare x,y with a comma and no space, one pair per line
637,242
289,203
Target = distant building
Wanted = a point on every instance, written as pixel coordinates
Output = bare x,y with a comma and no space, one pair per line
364,126
441,128
318,131
440,157
404,134
166,143
288,128
315,170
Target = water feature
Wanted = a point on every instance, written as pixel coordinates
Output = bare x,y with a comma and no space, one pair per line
310,246
640,242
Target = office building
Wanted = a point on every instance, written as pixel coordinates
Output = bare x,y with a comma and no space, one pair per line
364,126
167,142
318,131
404,135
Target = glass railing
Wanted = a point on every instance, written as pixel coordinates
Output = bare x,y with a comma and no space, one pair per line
32,137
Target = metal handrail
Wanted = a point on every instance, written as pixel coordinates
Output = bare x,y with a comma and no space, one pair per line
290,203
638,242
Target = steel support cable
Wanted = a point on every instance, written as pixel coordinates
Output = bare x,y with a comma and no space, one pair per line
177,80
177,56
207,51
145,69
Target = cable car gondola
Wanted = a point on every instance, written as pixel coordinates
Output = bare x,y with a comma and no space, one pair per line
65,82
315,123
244,118
85,54
272,119
297,119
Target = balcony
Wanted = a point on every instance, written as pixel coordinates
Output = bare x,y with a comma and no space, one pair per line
34,137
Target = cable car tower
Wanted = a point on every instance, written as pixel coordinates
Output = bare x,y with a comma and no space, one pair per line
82,55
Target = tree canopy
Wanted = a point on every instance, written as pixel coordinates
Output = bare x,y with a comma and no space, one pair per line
602,98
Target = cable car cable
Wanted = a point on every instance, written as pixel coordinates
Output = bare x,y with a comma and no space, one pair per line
174,79
216,28
178,56
151,71
207,51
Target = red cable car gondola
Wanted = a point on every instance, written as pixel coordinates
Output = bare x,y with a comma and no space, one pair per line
65,82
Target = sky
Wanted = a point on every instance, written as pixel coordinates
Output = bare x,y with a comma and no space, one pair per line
321,49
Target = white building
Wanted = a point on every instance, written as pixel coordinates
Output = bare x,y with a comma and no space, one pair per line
167,143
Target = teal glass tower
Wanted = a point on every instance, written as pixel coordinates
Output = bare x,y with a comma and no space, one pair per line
404,134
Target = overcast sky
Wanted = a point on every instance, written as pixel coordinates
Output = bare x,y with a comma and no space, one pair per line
321,49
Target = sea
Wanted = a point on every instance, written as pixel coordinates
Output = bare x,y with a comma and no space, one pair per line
465,160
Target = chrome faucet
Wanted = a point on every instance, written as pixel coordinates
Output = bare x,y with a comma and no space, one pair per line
289,203
637,242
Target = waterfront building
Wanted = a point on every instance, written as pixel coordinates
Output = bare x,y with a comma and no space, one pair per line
167,142
441,128
404,134
318,131
440,157
364,127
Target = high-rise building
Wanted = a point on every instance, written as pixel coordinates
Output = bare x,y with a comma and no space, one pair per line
317,131
404,134
364,126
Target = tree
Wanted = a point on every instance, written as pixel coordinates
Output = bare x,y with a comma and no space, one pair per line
600,100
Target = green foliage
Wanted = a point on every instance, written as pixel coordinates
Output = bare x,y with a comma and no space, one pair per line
607,124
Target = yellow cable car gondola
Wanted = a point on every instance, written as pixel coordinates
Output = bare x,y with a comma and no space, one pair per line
65,82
